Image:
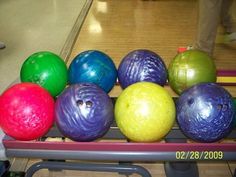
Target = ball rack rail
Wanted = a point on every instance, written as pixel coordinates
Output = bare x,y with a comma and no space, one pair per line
123,151
175,149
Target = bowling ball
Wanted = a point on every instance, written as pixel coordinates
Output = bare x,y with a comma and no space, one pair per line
26,111
93,66
84,112
46,69
205,112
235,112
142,65
144,112
189,68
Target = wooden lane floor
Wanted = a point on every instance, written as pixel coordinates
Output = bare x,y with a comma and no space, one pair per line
118,27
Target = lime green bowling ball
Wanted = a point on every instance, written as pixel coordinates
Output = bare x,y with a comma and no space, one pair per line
189,68
144,112
47,70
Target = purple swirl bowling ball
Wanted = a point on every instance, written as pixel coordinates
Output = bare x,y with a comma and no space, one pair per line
205,112
142,65
84,112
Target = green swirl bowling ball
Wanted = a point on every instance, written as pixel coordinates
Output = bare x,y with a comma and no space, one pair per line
189,68
47,70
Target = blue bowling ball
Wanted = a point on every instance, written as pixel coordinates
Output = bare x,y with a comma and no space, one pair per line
94,67
235,112
142,65
205,112
83,112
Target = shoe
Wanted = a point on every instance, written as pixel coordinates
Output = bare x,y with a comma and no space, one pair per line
183,49
231,37
2,45
4,167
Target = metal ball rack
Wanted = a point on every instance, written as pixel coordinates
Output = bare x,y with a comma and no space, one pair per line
176,151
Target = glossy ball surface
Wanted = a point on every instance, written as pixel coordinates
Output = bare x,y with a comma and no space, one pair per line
46,69
84,112
235,112
144,112
26,111
93,66
189,68
142,65
205,112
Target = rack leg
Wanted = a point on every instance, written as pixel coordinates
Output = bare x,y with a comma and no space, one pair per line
180,169
87,167
125,163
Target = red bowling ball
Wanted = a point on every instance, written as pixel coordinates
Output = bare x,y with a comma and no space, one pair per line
26,111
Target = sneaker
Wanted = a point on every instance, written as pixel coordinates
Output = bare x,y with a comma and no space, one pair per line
231,37
183,49
4,167
2,45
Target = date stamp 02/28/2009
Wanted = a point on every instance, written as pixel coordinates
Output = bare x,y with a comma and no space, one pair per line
199,155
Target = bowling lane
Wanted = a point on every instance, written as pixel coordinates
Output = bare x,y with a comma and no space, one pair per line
118,27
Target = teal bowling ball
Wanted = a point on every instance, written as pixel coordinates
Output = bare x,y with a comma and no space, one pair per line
93,66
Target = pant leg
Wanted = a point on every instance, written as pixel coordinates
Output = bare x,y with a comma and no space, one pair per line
226,16
2,45
208,20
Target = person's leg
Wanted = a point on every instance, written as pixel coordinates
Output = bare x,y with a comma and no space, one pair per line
228,22
2,45
226,17
208,20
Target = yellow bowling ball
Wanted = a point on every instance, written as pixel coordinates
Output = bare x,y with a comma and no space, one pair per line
145,112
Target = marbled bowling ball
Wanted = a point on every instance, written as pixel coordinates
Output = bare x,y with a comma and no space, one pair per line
93,66
26,111
142,65
47,70
84,112
189,68
235,112
145,112
205,112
